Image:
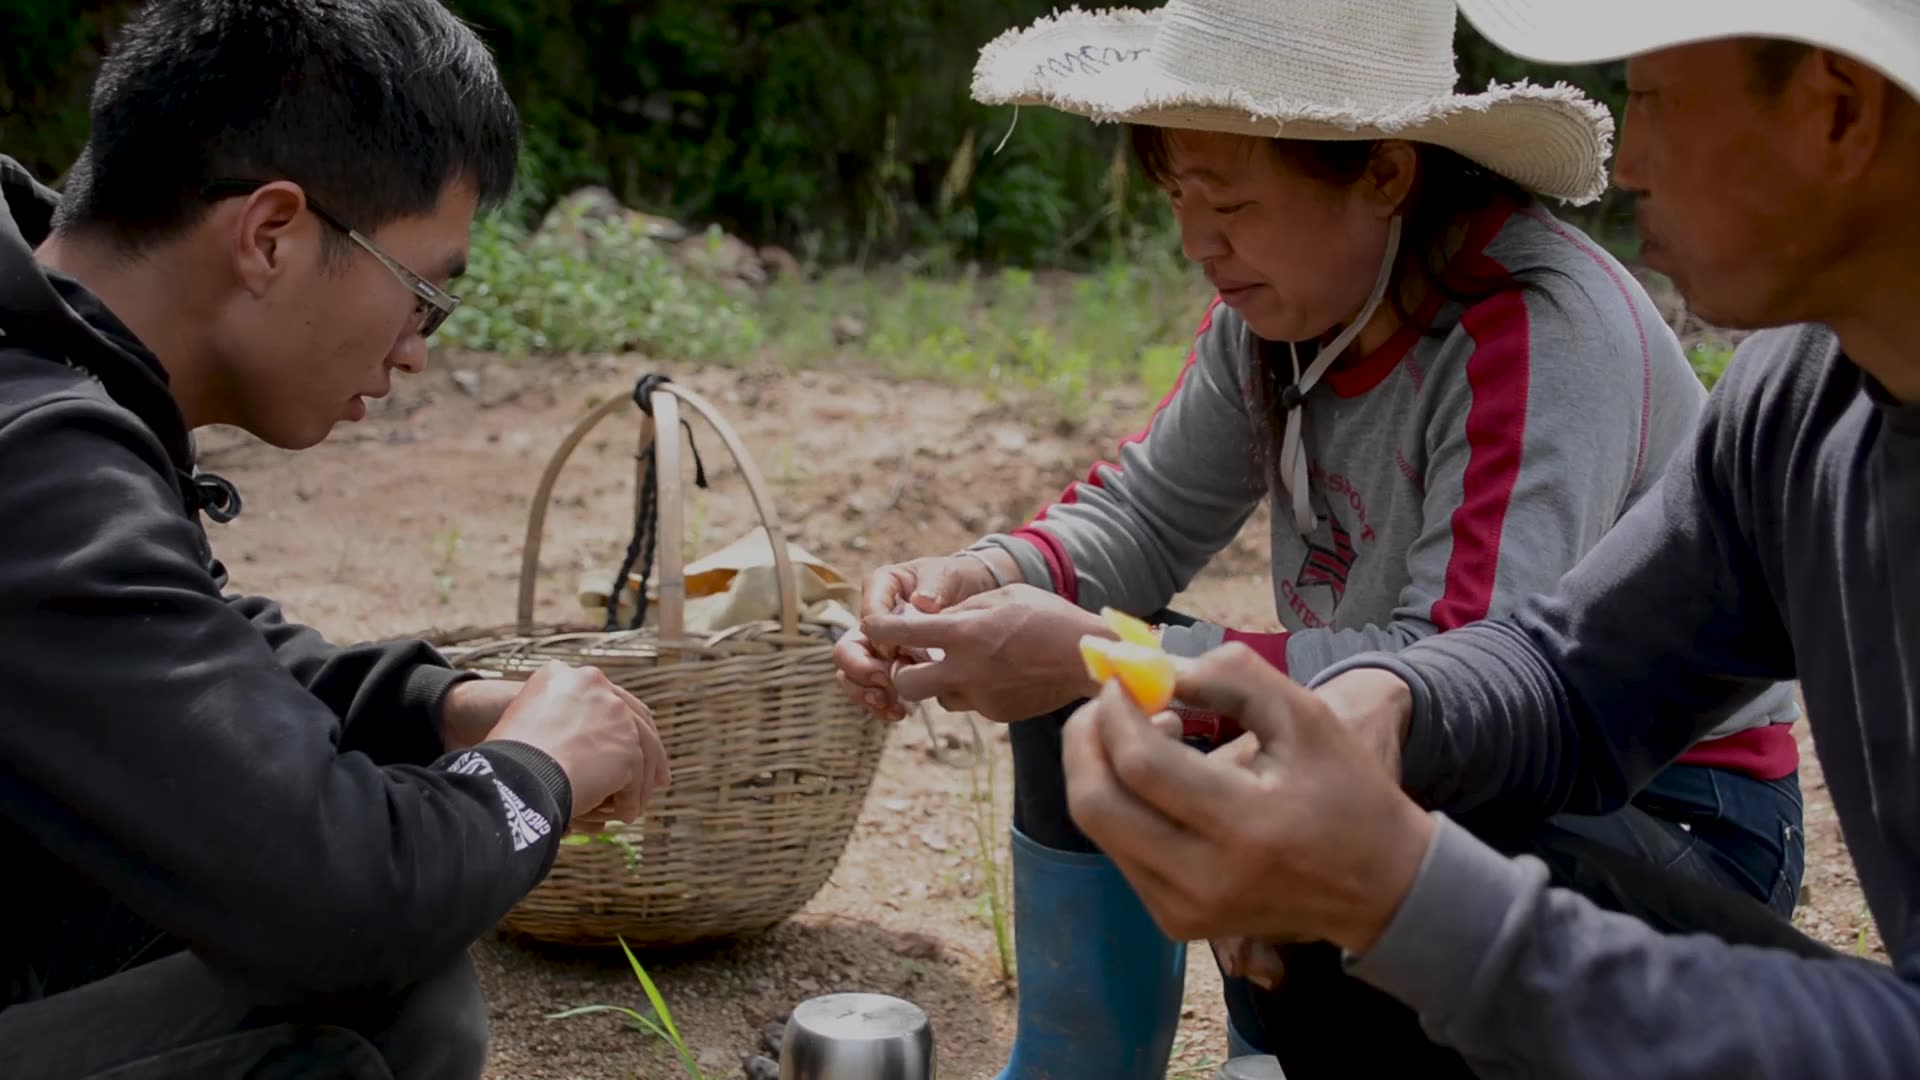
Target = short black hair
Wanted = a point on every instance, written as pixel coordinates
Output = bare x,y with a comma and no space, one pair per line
372,106
1771,62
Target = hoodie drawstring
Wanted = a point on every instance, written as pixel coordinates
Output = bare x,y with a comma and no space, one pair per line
1293,457
212,495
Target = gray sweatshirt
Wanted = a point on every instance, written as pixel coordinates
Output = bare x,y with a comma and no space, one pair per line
1454,471
1780,545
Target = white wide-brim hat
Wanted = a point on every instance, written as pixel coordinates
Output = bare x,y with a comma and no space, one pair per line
1301,69
1884,34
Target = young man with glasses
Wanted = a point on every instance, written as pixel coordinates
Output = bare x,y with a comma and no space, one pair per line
234,848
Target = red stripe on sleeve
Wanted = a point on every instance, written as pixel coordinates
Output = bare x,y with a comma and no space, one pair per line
1496,433
1218,729
1066,583
1271,647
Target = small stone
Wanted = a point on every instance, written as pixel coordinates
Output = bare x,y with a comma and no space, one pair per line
761,1068
723,256
848,329
933,836
772,1034
897,805
499,384
916,946
780,262
468,382
711,1060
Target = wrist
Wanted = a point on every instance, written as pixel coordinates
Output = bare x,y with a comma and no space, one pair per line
1375,706
429,688
1073,666
1391,870
994,568
471,708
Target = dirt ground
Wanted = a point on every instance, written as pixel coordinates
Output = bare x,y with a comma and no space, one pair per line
414,519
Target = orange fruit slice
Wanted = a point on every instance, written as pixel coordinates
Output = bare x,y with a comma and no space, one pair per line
1144,671
1131,630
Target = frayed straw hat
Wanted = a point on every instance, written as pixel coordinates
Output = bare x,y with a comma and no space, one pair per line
1300,69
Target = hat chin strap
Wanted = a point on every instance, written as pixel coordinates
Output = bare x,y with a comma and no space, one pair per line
1293,458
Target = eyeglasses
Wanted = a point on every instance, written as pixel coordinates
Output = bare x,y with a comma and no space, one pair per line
434,303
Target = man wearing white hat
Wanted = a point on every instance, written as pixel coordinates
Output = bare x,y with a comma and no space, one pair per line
1775,147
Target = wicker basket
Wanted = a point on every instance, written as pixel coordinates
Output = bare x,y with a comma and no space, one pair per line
771,762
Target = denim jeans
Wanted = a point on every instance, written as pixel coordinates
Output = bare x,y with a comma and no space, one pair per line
1714,825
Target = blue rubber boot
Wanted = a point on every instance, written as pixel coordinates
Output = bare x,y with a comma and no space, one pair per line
1100,985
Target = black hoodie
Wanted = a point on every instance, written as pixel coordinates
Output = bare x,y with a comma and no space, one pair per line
281,805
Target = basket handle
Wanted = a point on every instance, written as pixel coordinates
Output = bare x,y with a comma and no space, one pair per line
666,400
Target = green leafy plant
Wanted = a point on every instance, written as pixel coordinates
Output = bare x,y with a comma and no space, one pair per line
995,880
823,127
591,285
613,839
1067,335
659,1023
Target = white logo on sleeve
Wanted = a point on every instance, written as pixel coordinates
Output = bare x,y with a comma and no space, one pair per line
524,823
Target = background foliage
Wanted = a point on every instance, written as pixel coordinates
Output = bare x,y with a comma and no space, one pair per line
841,129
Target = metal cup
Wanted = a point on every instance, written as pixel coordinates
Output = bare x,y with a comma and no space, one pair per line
857,1037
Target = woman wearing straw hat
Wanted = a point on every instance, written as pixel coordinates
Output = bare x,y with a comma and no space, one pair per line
1447,394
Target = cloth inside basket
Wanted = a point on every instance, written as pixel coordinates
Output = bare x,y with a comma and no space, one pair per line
738,585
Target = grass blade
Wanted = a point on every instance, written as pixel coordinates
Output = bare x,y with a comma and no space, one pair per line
653,994
588,1010
666,1016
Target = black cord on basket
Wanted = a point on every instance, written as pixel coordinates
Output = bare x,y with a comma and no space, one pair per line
646,523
